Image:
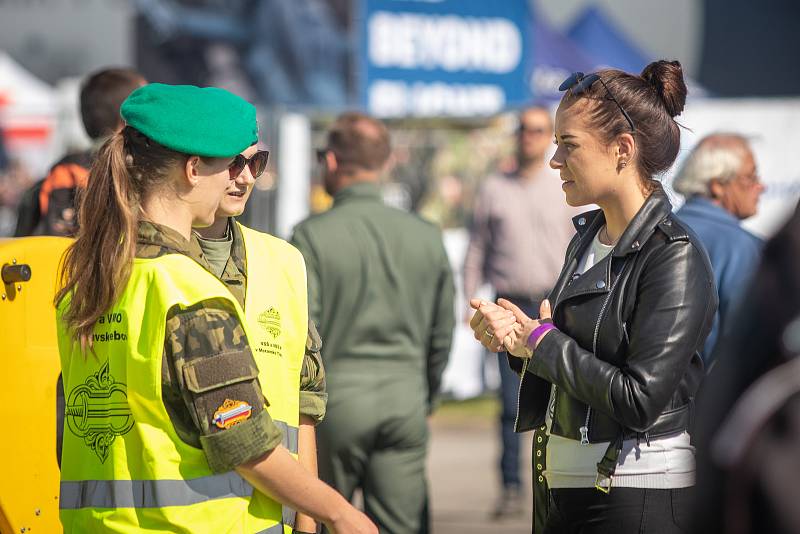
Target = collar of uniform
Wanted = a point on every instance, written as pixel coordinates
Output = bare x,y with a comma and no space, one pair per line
706,209
155,240
196,252
360,190
655,208
238,252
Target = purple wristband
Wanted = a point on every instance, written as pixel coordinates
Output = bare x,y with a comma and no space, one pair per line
538,332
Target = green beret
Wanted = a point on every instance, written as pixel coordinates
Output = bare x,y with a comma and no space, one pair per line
207,122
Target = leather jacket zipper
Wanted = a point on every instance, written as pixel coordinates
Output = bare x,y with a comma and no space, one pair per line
525,367
584,430
519,391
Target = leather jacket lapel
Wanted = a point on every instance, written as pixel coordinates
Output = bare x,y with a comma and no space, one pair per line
587,225
596,280
639,230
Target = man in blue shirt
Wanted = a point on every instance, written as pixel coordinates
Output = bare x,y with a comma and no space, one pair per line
721,184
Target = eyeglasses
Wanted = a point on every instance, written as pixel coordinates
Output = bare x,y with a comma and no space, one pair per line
523,130
749,180
257,163
578,83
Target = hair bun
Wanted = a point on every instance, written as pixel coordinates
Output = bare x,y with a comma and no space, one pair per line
666,77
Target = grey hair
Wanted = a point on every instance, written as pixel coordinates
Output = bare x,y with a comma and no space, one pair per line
717,156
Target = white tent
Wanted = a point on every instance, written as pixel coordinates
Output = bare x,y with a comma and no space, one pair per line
28,115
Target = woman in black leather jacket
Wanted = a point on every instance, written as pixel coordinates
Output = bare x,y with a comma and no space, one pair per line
610,368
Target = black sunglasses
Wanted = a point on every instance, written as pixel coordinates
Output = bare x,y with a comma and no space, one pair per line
257,163
578,83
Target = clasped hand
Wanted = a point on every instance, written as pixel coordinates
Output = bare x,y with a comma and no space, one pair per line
503,326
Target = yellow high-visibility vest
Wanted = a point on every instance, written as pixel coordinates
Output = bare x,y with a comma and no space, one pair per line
276,311
124,468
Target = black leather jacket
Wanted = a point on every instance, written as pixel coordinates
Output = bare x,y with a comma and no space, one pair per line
625,359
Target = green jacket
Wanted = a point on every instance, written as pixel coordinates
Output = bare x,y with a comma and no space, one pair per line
381,290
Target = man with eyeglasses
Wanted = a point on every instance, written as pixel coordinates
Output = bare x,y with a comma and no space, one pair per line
721,184
520,232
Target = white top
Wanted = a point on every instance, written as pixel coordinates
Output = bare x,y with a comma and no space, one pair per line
666,463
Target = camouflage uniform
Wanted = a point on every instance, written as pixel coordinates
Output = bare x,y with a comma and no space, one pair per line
200,332
313,396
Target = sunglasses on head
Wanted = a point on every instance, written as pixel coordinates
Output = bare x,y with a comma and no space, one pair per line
578,83
257,163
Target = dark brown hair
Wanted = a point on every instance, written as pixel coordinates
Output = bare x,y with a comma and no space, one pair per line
96,267
359,142
102,94
652,100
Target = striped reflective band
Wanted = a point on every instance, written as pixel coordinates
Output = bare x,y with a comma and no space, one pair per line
151,493
290,436
277,528
161,493
288,515
290,440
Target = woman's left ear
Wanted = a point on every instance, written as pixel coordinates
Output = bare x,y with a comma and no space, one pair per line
192,174
626,149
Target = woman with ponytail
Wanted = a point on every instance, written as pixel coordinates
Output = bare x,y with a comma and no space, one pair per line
168,422
611,365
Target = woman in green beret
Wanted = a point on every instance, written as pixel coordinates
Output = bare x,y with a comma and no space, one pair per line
172,418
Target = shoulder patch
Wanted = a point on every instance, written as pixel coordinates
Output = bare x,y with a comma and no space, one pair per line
232,412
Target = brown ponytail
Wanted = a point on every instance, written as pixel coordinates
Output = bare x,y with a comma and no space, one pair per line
96,267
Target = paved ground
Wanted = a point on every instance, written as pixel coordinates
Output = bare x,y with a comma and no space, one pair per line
462,469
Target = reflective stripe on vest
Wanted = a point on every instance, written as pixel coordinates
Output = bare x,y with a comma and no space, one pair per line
291,436
151,493
161,493
288,515
276,529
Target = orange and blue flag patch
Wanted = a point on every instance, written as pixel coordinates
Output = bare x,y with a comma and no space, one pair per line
231,412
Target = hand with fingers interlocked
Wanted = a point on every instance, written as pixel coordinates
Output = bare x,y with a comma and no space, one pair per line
503,326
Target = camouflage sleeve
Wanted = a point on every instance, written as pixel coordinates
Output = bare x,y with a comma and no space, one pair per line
210,386
313,394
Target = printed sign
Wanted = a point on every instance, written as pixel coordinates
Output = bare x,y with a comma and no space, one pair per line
444,57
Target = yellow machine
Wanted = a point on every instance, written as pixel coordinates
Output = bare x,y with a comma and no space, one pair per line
29,368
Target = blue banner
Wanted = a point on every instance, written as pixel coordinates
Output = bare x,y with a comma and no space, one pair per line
443,57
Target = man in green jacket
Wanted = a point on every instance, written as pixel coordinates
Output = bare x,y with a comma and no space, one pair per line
381,290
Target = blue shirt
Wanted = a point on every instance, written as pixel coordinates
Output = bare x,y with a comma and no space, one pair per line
734,253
